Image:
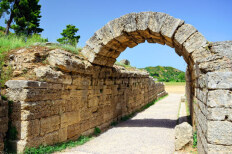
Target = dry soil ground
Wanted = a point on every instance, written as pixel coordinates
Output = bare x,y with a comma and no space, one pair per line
175,87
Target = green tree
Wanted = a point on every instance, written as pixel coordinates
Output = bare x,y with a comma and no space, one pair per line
24,13
69,36
181,77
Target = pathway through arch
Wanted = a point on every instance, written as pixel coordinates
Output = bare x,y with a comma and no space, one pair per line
150,131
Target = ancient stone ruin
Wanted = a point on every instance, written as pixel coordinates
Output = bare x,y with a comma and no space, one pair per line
62,95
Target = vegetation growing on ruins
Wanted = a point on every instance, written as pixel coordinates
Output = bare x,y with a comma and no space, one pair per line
166,74
195,139
97,131
12,41
58,147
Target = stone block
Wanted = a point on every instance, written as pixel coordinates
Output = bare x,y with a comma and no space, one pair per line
199,55
104,35
29,129
219,80
183,135
49,124
143,19
156,21
169,27
63,134
219,98
222,48
129,22
51,138
201,118
182,34
73,130
219,113
20,84
201,81
214,149
202,94
93,102
219,132
194,42
200,148
116,27
203,108
70,118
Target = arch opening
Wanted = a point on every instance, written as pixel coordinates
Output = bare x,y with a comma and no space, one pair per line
154,27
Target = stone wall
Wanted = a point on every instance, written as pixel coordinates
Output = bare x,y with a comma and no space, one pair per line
207,63
3,121
213,104
69,99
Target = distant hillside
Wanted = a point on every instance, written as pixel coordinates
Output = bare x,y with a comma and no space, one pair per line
166,74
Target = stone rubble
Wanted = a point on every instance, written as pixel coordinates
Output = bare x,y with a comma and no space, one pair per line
183,135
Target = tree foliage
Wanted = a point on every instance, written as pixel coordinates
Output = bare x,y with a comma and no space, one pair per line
69,36
24,13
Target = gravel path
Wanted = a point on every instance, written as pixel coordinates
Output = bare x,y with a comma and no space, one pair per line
149,132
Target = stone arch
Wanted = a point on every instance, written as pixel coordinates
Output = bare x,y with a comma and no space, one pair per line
129,30
209,68
154,27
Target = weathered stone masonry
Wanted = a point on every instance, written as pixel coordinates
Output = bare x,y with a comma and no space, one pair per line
71,95
74,99
209,68
3,122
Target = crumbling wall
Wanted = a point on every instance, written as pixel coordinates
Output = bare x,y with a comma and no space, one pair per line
71,97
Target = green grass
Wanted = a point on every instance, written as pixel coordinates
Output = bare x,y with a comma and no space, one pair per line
195,139
72,49
97,131
57,147
61,146
13,41
187,108
175,83
120,64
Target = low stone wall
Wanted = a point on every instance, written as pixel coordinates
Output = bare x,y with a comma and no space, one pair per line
48,113
71,100
3,121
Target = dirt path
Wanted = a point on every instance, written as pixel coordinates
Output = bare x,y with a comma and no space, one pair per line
149,132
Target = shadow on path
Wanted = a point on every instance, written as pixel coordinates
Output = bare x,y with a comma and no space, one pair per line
165,123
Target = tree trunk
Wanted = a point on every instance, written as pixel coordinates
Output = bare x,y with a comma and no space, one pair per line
9,23
16,3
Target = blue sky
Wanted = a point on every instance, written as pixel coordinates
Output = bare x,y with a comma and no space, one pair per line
213,18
